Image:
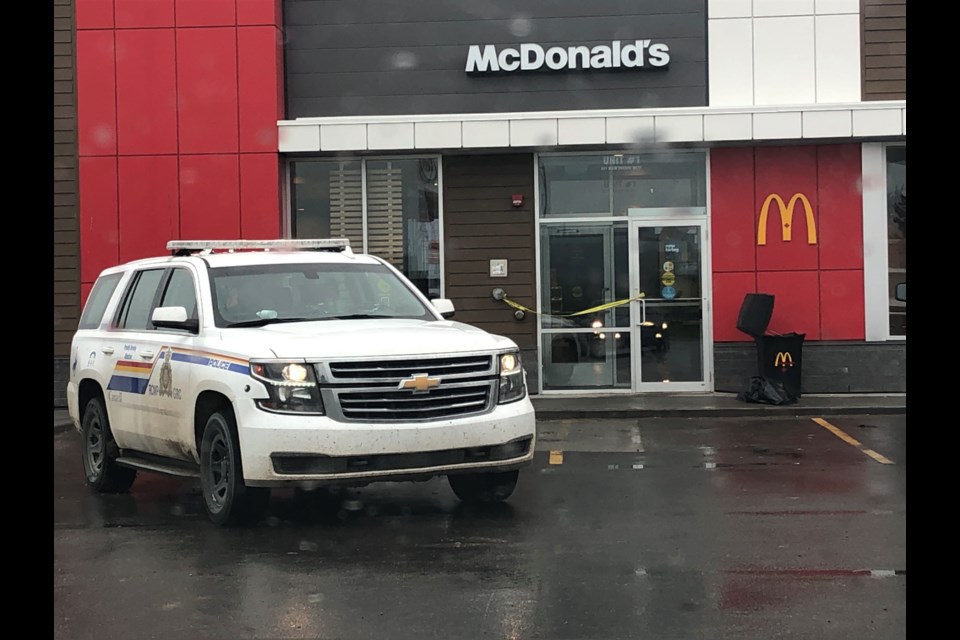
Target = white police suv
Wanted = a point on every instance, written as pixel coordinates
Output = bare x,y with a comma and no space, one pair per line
255,364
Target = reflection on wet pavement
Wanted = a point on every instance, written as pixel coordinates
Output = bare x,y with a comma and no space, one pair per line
621,529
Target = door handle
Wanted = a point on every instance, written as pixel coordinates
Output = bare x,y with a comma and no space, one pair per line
146,355
643,311
107,350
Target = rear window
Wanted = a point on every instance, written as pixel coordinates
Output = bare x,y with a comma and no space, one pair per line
97,301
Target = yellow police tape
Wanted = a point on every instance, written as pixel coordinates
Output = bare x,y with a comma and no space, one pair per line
602,307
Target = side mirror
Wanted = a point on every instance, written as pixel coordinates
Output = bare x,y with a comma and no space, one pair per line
174,318
444,307
901,292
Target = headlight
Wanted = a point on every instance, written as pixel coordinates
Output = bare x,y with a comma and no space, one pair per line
512,387
292,387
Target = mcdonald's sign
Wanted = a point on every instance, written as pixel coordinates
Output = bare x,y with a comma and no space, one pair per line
784,359
786,218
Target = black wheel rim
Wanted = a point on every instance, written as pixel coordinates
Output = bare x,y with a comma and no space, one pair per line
218,472
96,446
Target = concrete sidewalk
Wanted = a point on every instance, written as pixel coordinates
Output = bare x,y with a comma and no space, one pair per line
721,405
718,405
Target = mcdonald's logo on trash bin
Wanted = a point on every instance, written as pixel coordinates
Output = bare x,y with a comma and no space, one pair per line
784,360
786,218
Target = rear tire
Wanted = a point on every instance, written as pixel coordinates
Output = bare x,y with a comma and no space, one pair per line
225,495
100,452
484,487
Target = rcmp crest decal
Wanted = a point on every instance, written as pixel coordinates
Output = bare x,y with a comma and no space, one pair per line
166,376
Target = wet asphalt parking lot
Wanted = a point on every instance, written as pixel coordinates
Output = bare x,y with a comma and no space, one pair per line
652,528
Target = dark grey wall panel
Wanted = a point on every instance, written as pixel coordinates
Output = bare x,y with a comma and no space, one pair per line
366,57
828,367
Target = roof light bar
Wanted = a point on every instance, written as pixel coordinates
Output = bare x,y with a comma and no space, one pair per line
186,247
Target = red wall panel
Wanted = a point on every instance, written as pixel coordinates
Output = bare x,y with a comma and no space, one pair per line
260,108
148,205
85,288
210,197
259,196
96,94
99,239
786,171
132,14
206,13
841,305
728,292
94,14
207,89
146,92
841,206
796,307
732,209
259,12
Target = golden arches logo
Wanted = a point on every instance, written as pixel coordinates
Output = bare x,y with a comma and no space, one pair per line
783,359
786,218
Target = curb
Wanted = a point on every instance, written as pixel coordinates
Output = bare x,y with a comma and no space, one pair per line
746,412
62,426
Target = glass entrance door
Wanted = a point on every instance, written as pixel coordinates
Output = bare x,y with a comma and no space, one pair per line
584,266
670,337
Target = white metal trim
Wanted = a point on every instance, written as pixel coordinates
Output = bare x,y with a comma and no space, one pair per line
286,221
363,202
693,135
443,229
537,267
706,291
876,296
593,113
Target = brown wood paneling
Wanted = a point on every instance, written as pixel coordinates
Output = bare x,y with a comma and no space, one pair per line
66,234
481,224
883,49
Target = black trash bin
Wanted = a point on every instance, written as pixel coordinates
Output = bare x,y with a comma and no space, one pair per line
780,357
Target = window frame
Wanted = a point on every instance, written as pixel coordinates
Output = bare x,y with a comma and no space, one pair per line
106,307
162,291
288,218
132,283
876,238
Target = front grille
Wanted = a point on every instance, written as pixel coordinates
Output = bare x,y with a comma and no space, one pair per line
403,405
395,370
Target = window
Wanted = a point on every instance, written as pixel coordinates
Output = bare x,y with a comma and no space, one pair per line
897,235
97,301
621,184
259,294
181,292
402,215
138,305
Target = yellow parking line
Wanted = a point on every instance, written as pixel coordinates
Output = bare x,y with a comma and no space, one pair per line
836,431
852,441
876,456
556,457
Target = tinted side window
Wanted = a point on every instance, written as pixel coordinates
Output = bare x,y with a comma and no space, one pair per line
97,301
181,292
138,306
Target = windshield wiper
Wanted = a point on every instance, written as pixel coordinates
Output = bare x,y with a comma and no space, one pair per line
259,322
355,316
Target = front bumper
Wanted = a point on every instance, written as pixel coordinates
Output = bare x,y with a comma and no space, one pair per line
285,449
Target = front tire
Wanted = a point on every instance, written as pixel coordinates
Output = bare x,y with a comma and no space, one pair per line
100,452
484,487
227,499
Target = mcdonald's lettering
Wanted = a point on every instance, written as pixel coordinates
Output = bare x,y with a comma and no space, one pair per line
783,359
786,218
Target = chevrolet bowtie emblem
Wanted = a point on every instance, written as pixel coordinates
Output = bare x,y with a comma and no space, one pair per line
419,383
